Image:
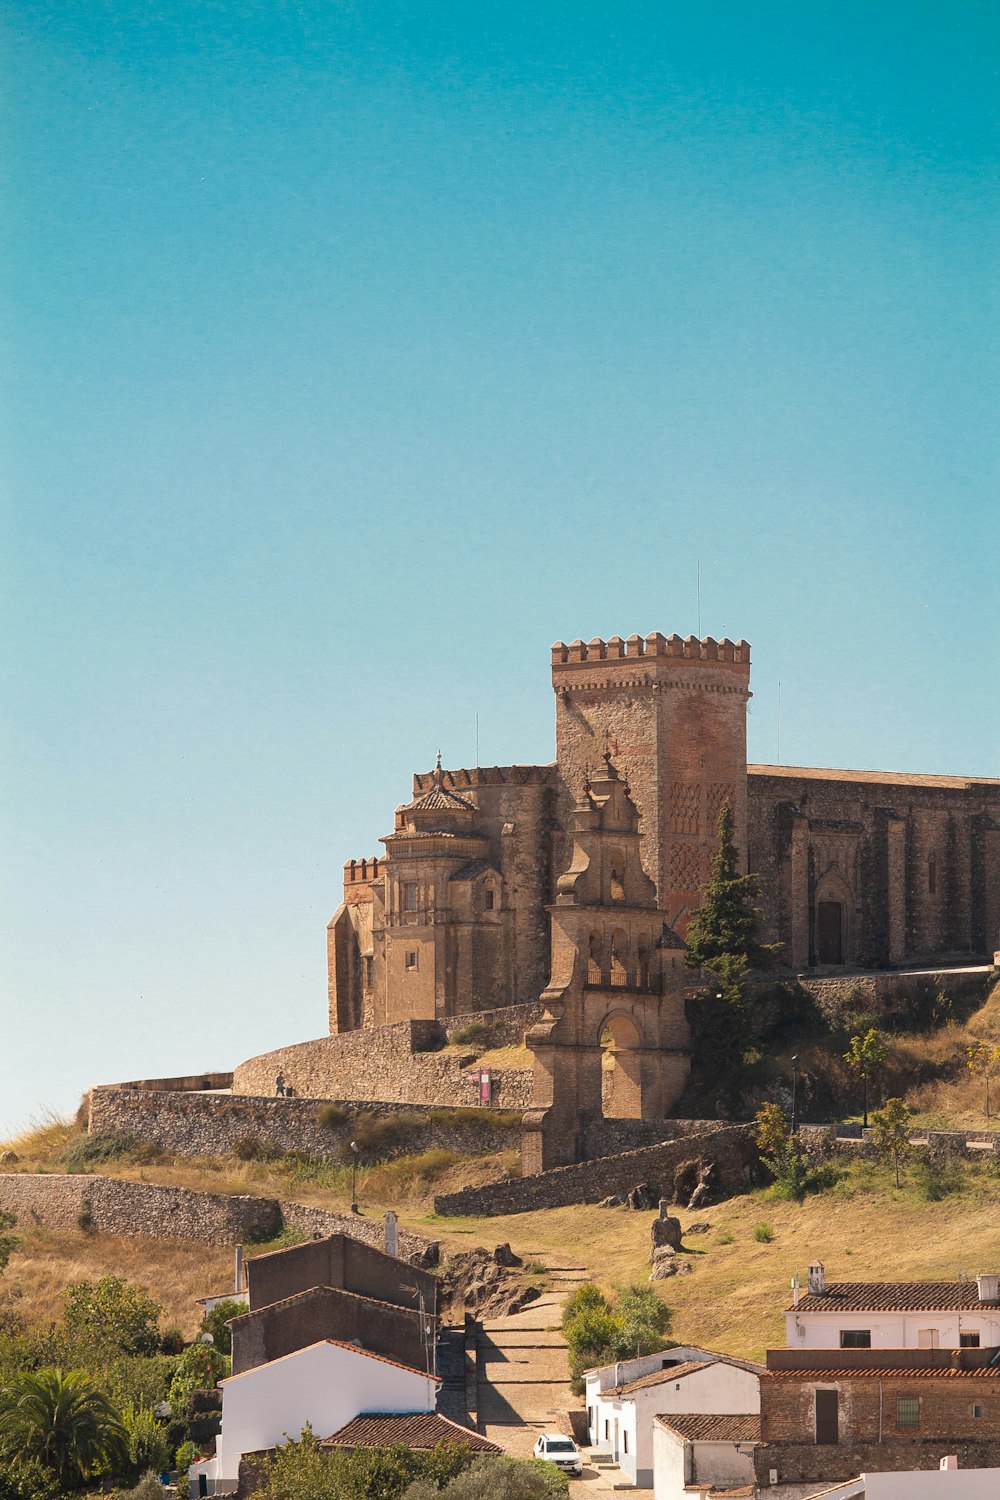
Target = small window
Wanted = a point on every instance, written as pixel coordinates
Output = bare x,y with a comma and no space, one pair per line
977,1411
411,959
409,895
968,1340
607,1428
624,1441
369,972
927,1338
855,1338
489,900
907,1413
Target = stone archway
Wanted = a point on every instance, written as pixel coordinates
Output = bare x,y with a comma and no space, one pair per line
834,920
621,1067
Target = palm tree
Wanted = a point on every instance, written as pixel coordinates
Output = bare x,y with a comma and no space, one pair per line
61,1419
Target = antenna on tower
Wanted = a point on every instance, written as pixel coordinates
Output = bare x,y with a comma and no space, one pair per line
698,589
778,750
477,739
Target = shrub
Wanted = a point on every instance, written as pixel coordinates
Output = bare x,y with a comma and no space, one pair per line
112,1316
172,1341
199,1368
303,1470
497,1479
25,1479
763,1233
89,1151
185,1456
215,1323
475,1034
937,1179
147,1439
148,1488
598,1331
333,1116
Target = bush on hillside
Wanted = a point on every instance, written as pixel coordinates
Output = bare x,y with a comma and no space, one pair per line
497,1479
216,1319
89,1151
599,1330
303,1470
112,1316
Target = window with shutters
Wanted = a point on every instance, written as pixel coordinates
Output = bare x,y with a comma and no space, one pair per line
968,1340
855,1338
907,1413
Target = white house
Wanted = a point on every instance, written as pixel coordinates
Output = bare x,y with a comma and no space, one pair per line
325,1385
893,1314
694,1455
620,1415
949,1482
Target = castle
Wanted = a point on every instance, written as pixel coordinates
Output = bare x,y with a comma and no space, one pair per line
854,868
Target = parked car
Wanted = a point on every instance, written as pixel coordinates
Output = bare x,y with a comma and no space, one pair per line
558,1449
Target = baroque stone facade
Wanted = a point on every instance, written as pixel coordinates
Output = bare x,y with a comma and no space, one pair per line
855,868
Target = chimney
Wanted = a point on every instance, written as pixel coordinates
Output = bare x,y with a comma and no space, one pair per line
795,1290
989,1287
238,1270
950,1461
816,1279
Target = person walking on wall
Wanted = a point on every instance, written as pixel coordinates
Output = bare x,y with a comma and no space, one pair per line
279,1086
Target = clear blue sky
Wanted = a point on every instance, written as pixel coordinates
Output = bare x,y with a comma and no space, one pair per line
355,352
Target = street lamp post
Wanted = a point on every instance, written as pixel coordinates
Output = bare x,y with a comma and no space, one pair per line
354,1178
795,1094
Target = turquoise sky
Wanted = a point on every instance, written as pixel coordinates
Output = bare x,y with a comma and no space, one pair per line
355,352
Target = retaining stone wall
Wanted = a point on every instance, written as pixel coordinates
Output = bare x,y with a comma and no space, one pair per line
394,1064
822,1141
193,1124
731,1147
110,1205
828,1463
877,988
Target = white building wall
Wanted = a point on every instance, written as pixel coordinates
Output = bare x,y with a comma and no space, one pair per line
821,1330
669,1476
324,1385
934,1484
720,1390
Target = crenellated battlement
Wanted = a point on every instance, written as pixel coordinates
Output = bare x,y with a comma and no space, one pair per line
361,871
681,648
467,777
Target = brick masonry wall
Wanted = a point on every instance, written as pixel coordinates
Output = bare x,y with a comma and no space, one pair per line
392,1064
731,1147
815,1463
220,1124
111,1206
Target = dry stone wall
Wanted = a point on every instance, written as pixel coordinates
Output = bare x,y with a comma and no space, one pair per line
108,1205
397,1064
192,1124
731,1147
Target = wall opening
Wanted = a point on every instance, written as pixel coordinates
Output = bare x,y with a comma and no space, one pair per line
621,1069
830,932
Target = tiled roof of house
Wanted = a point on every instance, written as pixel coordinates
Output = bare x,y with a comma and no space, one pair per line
876,1372
884,778
670,939
383,1359
894,1296
662,1377
417,1430
472,869
713,1429
439,799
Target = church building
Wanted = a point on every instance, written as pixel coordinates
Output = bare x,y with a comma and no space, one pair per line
855,869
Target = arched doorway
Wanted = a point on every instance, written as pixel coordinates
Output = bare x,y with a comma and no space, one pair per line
833,920
621,1068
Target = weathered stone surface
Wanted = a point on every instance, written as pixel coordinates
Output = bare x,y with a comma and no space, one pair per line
644,1195
504,1256
666,1231
697,1228
474,1281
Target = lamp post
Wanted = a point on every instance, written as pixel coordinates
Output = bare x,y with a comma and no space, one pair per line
795,1093
354,1177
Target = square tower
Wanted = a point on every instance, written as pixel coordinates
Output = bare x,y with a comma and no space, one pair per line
672,712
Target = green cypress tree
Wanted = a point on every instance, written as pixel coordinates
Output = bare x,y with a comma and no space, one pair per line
726,924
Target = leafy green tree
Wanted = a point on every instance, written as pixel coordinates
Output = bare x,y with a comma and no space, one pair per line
303,1470
598,1332
8,1242
983,1061
500,1478
781,1151
891,1133
200,1368
63,1421
111,1316
215,1323
727,923
865,1056
645,1319
25,1479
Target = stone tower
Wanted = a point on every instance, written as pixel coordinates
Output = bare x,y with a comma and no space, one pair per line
672,713
617,977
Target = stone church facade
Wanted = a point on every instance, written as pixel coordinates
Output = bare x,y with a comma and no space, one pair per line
855,868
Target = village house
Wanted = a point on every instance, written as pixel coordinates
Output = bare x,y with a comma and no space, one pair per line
949,1482
894,1314
624,1399
696,1456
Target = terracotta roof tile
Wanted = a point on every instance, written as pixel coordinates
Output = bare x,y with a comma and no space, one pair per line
894,1296
943,1372
661,1377
337,1344
418,1430
713,1429
884,778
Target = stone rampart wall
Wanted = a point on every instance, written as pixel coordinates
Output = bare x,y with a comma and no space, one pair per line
830,1463
395,1063
191,1124
110,1205
731,1147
